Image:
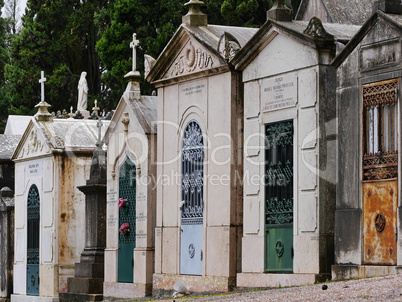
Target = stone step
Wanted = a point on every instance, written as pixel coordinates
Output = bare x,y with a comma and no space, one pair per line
76,297
89,270
85,285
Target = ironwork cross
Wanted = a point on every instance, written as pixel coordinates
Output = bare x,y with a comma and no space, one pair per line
134,44
42,85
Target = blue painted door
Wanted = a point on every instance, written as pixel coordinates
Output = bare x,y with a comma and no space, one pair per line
192,209
33,215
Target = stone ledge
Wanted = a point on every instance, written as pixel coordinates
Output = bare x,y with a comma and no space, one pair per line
274,280
350,271
25,298
113,290
76,297
163,283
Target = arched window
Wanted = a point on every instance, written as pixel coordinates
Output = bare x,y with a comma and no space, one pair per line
193,172
192,208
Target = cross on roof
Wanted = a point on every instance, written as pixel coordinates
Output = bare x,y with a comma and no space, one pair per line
134,44
42,85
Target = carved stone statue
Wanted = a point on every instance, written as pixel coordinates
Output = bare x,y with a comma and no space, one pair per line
82,93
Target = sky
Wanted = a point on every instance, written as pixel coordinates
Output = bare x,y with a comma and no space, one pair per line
23,3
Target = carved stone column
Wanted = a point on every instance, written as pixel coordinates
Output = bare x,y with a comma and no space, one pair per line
87,284
7,243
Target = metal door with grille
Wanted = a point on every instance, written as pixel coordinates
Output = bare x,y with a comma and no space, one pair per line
279,197
191,254
380,172
33,215
127,213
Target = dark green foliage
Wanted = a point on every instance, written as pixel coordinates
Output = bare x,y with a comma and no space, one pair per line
66,37
58,36
251,13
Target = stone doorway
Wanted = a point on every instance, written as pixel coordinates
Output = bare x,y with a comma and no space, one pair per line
380,172
192,222
279,197
33,217
127,221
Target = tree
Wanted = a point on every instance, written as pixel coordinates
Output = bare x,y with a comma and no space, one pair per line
250,12
58,36
12,15
4,100
154,22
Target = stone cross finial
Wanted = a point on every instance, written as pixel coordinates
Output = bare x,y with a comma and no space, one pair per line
42,85
134,44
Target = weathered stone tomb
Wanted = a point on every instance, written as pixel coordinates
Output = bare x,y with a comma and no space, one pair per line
51,160
200,113
131,192
290,150
368,204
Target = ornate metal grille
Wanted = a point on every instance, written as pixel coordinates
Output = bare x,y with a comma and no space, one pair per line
127,190
279,173
33,215
192,175
380,107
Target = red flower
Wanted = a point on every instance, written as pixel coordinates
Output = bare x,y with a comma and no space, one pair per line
122,203
124,228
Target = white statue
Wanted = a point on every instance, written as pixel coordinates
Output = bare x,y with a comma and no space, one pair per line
82,92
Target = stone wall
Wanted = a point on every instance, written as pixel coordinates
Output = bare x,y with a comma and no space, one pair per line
7,243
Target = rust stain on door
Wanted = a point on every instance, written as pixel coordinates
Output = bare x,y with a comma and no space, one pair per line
379,222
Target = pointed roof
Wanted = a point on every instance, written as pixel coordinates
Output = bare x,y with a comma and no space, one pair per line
16,124
61,135
8,144
394,19
336,11
297,29
208,38
144,109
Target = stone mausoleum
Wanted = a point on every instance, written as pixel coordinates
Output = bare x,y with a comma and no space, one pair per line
131,192
51,160
290,150
199,202
368,205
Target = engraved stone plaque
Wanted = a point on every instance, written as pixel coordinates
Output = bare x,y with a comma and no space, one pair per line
380,55
279,92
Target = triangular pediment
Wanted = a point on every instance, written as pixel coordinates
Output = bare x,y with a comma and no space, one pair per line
186,54
32,144
193,57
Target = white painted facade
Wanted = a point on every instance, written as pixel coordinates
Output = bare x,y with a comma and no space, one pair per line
47,157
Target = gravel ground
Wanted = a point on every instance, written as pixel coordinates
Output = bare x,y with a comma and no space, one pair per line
373,289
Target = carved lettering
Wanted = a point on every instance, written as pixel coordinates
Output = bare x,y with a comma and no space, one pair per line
190,60
380,55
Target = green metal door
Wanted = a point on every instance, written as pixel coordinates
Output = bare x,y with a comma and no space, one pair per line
279,197
127,223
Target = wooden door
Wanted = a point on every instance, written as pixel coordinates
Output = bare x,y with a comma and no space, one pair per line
380,172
